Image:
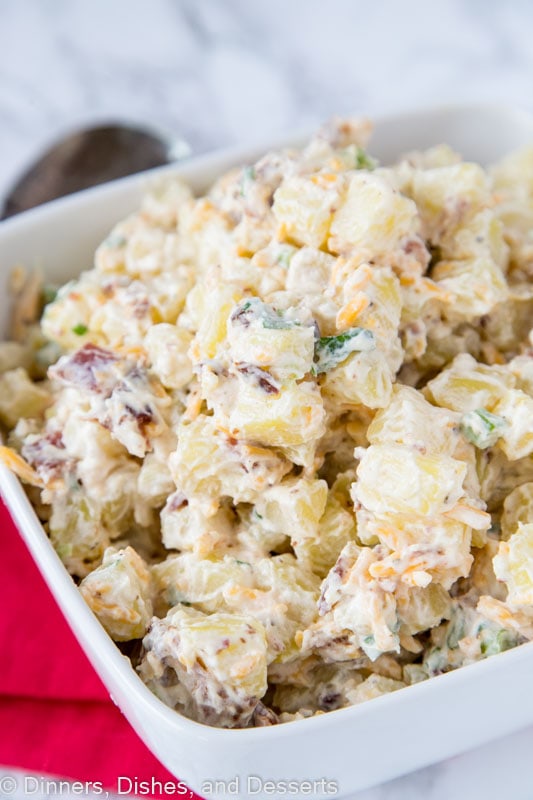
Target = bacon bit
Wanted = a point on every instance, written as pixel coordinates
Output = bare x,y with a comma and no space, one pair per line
349,313
20,467
144,417
141,308
81,368
108,290
260,377
264,716
47,455
177,502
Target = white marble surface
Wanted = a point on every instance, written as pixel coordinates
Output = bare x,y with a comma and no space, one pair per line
222,71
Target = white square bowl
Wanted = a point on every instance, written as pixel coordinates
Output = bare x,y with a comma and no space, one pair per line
353,747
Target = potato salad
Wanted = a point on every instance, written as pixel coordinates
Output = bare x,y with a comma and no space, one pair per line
281,435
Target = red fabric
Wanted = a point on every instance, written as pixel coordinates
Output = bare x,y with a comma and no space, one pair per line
56,717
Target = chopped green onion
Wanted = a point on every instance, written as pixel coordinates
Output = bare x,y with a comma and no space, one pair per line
360,158
456,631
284,257
49,294
482,428
330,351
496,641
80,329
115,240
368,645
248,175
255,309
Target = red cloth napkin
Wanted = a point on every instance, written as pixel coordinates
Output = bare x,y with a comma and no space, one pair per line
56,717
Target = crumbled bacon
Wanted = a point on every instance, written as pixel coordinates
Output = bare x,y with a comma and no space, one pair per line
261,377
47,455
87,368
177,501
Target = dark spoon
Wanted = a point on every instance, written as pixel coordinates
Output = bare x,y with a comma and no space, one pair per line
87,158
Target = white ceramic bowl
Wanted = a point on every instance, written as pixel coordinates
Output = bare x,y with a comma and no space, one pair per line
355,747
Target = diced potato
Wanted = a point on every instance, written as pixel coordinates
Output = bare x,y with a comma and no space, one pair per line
467,385
14,355
164,201
292,416
483,233
355,610
66,320
304,206
421,608
21,398
122,318
285,602
167,348
517,508
185,526
515,170
119,593
218,662
458,189
210,464
309,271
167,293
293,507
150,251
363,379
336,528
258,335
410,420
438,546
373,217
522,368
399,479
216,308
476,285
154,482
382,316
77,534
202,583
374,686
516,408
513,564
